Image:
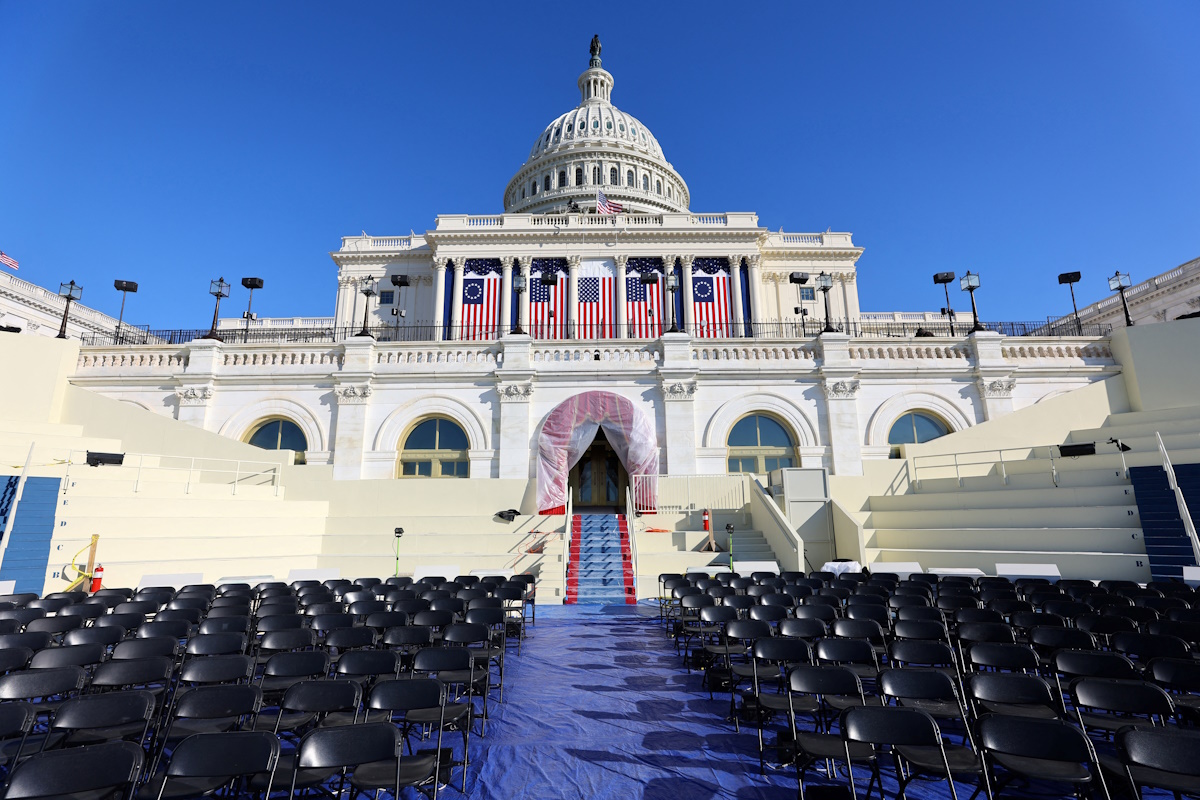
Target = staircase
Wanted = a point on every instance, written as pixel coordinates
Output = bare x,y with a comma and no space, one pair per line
28,551
1081,514
600,570
1167,545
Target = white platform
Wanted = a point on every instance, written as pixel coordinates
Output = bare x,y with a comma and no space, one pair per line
321,574
1018,571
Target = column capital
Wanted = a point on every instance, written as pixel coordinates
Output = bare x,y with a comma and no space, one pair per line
459,265
522,262
687,261
352,394
754,260
439,263
678,390
573,262
735,261
996,387
840,389
669,262
194,395
519,391
621,261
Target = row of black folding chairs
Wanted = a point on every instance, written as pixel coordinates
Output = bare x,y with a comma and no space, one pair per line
746,652
215,738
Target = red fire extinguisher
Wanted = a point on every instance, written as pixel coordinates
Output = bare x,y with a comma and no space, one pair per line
97,576
707,521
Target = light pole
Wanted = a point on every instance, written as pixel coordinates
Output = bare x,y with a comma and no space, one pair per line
1070,279
72,292
368,291
945,279
969,283
251,284
520,283
825,283
799,279
400,282
672,287
1119,283
125,288
218,289
647,279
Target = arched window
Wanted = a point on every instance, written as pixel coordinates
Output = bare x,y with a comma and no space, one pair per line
579,176
435,448
658,186
645,183
629,178
759,444
596,175
280,434
546,183
916,427
562,178
612,177
533,187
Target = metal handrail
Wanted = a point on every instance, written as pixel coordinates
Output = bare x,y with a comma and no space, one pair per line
1188,526
567,543
632,545
195,469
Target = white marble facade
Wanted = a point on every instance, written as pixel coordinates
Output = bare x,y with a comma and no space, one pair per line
356,398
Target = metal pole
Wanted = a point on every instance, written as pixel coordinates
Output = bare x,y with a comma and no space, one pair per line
1078,324
949,310
120,318
974,312
1124,304
249,305
62,329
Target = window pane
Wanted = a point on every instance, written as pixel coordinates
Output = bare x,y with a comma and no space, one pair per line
425,468
291,437
408,468
927,427
735,465
450,436
423,436
902,431
743,434
267,437
785,463
772,464
772,434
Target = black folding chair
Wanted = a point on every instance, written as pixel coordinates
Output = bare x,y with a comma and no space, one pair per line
1041,749
78,772
1161,758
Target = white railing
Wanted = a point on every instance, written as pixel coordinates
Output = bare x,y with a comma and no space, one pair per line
567,544
979,463
633,556
667,494
938,465
1188,526
218,471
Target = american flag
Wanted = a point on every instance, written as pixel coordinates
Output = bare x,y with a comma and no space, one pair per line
548,306
7,260
644,308
481,300
710,305
596,305
606,206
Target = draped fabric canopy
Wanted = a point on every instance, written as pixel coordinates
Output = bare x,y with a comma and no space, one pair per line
570,430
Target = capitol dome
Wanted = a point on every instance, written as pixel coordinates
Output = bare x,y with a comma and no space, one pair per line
595,146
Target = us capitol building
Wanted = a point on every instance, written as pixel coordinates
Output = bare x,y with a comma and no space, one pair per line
700,343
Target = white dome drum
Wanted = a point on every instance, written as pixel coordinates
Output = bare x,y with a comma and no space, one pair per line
595,146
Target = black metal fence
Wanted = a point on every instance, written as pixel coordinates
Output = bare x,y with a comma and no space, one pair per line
427,332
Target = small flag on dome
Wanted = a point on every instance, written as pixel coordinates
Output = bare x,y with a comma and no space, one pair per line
7,260
606,206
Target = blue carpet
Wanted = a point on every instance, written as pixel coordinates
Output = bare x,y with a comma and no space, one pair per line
599,706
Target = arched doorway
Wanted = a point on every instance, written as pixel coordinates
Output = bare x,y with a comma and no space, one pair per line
599,480
568,433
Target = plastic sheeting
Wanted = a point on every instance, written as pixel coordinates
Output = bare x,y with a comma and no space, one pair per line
570,430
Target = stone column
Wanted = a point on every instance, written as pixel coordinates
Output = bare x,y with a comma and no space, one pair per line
622,310
572,297
839,381
755,262
456,300
993,375
353,396
735,278
523,263
196,384
439,298
688,297
505,296
677,381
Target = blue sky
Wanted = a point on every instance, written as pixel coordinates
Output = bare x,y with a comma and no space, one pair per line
172,143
